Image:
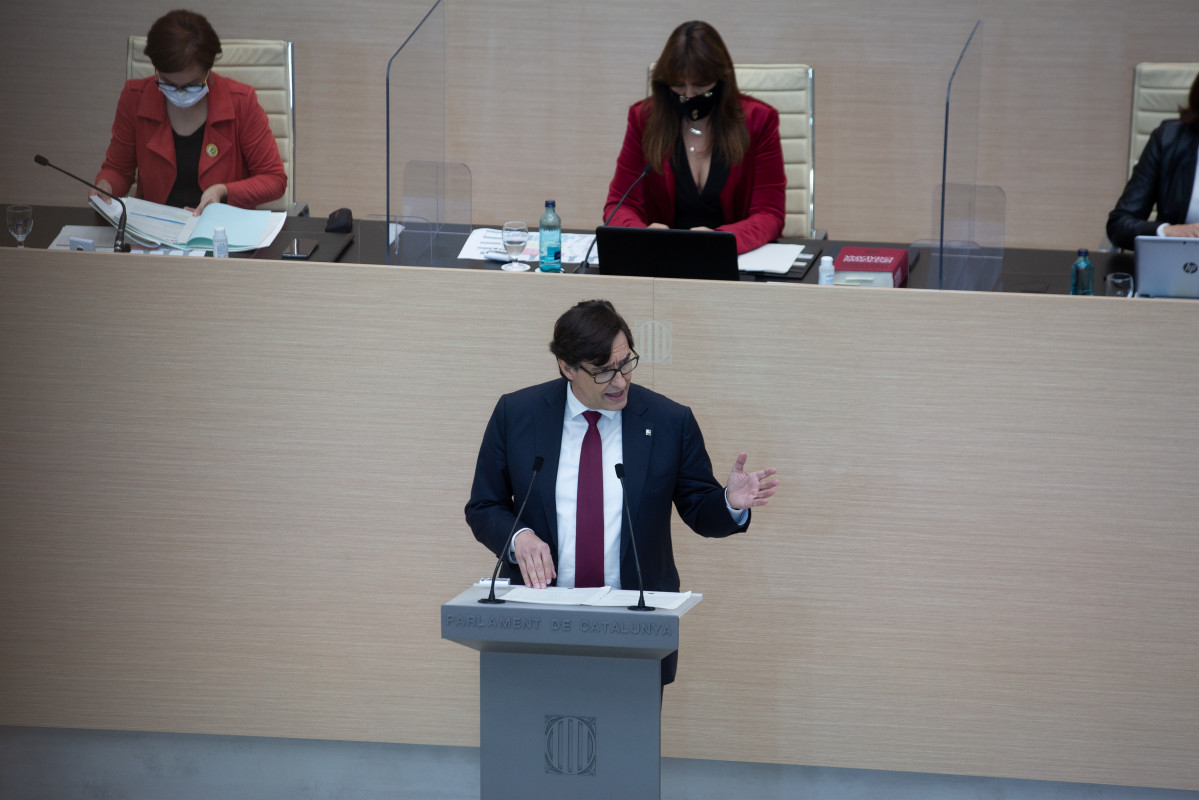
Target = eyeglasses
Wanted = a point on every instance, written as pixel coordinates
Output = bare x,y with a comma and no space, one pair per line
191,88
609,375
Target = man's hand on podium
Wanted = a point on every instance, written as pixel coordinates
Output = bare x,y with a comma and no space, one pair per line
533,557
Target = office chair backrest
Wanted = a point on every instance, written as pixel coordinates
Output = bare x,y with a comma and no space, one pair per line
266,65
787,87
1158,89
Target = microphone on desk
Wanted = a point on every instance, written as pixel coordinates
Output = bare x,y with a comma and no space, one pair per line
644,171
491,598
119,245
641,606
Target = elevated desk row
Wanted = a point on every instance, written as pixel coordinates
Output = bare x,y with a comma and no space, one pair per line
1028,270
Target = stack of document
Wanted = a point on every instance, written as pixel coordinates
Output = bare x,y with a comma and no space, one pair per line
487,243
598,596
773,258
153,224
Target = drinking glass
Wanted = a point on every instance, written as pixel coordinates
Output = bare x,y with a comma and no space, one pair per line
515,236
20,222
1120,284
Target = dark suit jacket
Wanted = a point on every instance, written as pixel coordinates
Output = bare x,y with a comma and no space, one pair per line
1164,176
665,462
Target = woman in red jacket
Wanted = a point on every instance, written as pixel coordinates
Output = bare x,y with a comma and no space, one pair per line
188,136
717,163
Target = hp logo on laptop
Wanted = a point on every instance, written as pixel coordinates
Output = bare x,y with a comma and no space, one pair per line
1190,267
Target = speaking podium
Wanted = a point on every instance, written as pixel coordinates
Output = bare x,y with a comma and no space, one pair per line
569,696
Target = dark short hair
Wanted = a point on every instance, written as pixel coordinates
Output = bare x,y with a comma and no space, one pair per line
179,39
1190,113
586,333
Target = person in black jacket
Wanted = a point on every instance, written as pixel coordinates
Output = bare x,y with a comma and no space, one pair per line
1164,177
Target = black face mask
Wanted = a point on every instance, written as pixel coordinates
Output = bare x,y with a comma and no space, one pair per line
699,106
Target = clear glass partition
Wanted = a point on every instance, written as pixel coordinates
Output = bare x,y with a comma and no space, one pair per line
428,200
969,218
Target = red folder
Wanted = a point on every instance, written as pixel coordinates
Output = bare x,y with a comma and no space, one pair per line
871,266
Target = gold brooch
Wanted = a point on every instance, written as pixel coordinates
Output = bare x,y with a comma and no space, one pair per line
211,150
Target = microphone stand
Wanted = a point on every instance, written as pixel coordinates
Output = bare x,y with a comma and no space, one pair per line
644,171
641,606
491,599
119,245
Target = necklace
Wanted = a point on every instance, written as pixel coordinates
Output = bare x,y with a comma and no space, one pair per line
696,131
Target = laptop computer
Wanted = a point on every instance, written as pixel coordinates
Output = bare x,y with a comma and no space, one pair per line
1167,267
667,253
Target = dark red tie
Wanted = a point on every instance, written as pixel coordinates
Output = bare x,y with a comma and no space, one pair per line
589,513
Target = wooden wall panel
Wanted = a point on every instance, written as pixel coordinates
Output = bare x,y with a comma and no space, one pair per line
537,94
233,497
233,500
974,487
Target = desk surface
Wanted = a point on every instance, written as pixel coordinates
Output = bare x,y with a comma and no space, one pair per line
1024,270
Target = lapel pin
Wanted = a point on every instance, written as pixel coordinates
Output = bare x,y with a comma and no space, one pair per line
211,150
649,431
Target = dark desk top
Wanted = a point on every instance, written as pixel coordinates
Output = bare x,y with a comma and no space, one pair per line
1026,270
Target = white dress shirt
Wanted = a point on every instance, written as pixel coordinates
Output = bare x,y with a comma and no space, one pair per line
574,426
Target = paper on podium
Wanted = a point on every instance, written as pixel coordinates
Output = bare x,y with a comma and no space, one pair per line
156,224
595,596
484,241
773,258
102,236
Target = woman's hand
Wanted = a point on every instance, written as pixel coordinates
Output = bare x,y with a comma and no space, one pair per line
106,186
1189,231
217,193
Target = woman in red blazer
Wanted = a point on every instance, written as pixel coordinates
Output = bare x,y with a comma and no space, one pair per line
716,159
188,136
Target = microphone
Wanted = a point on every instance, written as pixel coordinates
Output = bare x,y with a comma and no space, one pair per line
644,171
491,598
119,245
641,606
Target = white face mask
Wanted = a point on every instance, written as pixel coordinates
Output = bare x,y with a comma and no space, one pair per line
183,99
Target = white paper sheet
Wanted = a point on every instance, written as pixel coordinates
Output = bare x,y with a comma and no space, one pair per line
247,229
773,258
489,240
602,596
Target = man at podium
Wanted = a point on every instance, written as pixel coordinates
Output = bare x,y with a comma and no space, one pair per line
574,531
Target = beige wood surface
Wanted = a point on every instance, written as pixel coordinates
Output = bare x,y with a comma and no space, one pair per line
537,93
233,498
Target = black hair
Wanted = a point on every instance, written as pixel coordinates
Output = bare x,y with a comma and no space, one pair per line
1190,113
586,333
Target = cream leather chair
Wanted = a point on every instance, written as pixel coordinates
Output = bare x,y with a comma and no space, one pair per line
1158,89
787,87
266,65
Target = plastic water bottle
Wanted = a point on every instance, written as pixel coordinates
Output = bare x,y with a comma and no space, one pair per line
825,276
220,243
549,236
1082,274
